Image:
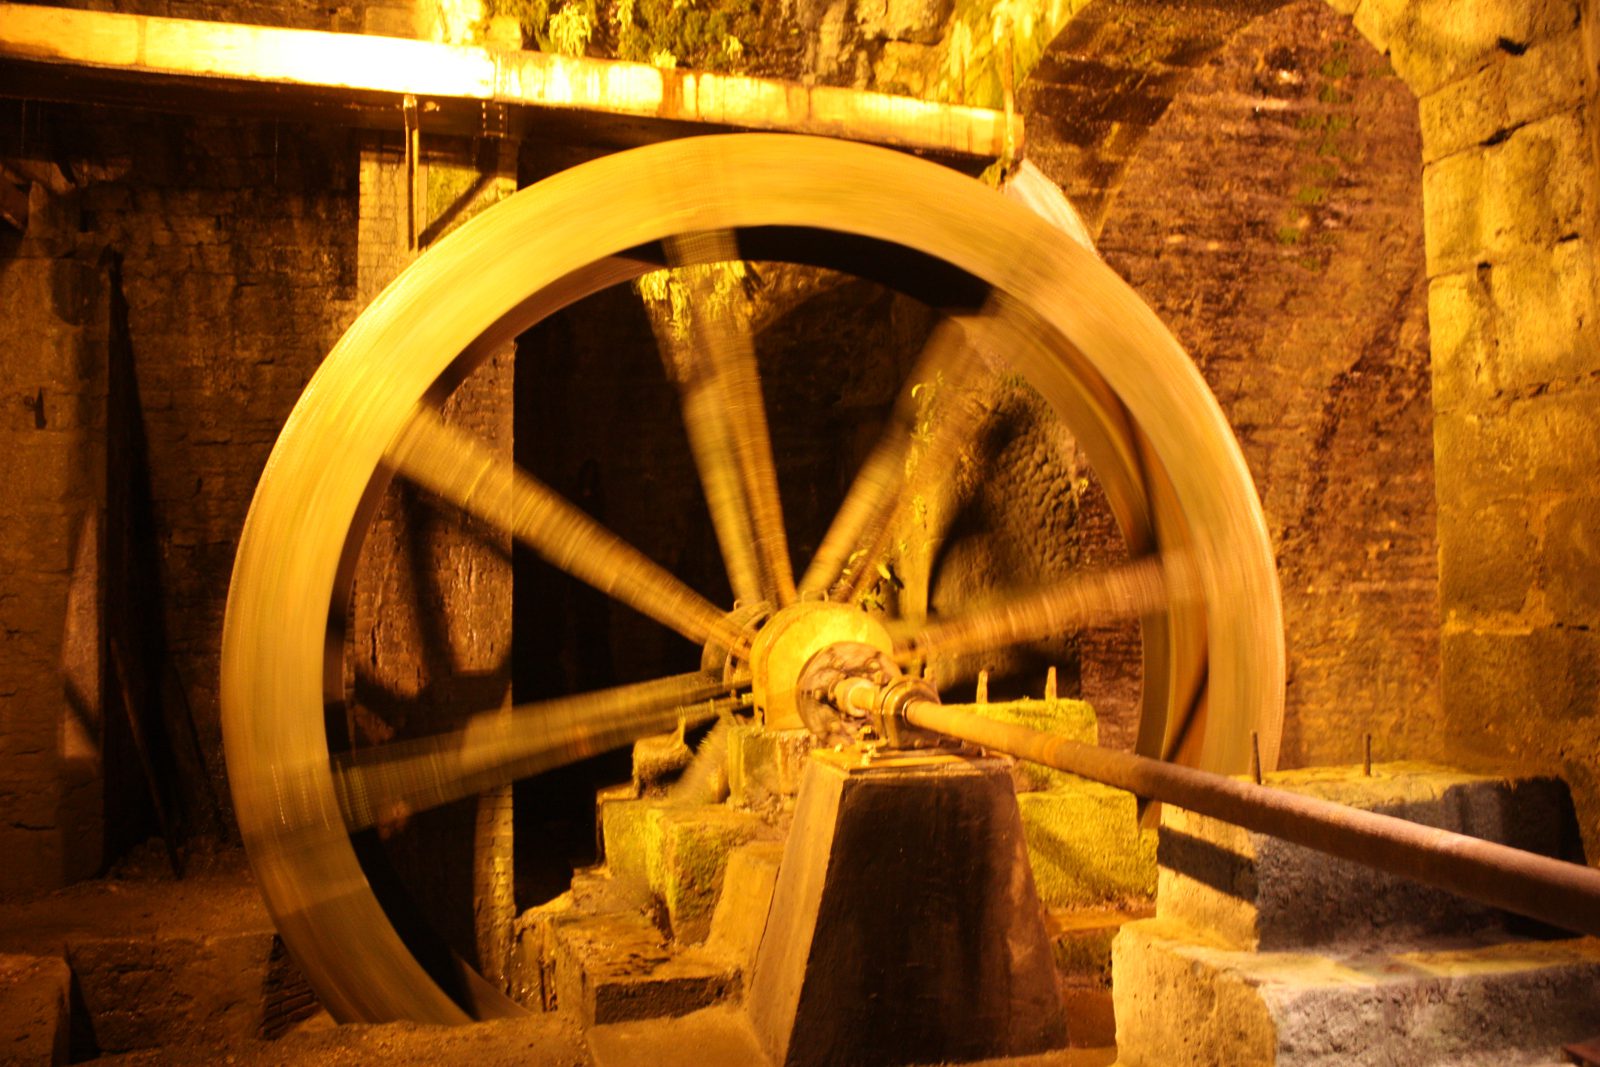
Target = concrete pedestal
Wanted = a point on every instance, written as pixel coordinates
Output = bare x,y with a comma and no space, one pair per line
904,926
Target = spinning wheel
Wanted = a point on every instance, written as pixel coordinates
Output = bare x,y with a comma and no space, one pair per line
1014,289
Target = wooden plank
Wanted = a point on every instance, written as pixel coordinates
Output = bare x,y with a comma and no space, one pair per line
83,49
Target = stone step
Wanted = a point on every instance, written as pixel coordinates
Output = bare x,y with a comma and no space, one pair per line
1250,890
1080,941
156,962
677,854
35,1020
1183,1001
619,968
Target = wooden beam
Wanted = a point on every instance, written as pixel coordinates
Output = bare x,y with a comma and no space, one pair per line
59,53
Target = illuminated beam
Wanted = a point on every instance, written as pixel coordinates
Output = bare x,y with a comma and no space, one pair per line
78,51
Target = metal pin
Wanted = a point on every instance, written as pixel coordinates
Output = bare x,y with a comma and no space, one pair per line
1255,756
1366,764
1050,684
983,688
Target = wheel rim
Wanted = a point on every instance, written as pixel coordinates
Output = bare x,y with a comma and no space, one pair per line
1175,474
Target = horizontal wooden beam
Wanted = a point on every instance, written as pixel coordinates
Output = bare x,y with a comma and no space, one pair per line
59,53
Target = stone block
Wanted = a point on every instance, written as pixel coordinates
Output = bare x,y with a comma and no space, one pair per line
1452,197
1253,891
617,968
1487,557
1182,1001
1547,77
1070,718
1080,940
1523,695
1464,113
630,835
141,992
35,999
1535,184
1432,42
1461,335
741,915
1545,315
1571,561
1086,846
695,846
764,766
1544,444
657,759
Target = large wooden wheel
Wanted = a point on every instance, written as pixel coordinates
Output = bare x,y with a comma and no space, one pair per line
1201,582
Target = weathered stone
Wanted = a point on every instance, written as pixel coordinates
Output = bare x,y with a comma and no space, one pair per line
34,1009
1548,76
1549,678
1461,335
1464,113
1253,891
741,915
656,759
1571,561
616,968
1080,940
1452,196
1487,556
1086,846
1181,1001
1535,185
1545,315
764,766
695,846
139,992
630,835
1546,443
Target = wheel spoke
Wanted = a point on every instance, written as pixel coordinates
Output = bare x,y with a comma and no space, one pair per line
1126,592
720,343
390,782
932,417
711,444
456,466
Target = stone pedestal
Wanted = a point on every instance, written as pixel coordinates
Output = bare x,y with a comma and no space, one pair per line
904,927
1267,954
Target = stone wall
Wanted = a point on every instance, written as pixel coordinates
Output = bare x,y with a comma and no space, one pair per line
1510,186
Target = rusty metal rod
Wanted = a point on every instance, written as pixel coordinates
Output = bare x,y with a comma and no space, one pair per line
1566,895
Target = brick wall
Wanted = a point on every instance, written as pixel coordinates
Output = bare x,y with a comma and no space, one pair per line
235,251
54,314
1273,218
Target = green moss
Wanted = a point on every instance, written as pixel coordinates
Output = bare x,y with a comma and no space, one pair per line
1085,845
563,26
697,844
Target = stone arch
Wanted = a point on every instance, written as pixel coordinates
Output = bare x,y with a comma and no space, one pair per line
1506,96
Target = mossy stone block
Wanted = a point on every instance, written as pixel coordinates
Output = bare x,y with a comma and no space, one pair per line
1069,718
764,766
630,833
1086,845
695,846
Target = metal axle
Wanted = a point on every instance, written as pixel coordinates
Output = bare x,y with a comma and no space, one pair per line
1566,895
